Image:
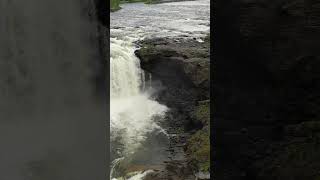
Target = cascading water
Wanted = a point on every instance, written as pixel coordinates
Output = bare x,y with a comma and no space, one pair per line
136,134
131,109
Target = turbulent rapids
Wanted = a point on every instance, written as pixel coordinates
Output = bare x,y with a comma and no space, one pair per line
132,110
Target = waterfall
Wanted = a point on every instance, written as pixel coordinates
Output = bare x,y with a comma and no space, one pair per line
136,137
132,110
125,72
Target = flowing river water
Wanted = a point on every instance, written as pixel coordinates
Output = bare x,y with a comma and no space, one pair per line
137,137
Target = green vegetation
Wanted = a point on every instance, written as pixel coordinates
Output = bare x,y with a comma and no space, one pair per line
199,150
202,112
134,1
115,4
198,146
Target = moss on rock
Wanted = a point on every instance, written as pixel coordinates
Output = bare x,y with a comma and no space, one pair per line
199,150
198,146
202,112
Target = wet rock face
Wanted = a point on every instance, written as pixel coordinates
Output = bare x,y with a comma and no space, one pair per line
178,63
266,79
182,68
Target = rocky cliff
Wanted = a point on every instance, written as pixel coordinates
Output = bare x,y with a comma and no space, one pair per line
180,71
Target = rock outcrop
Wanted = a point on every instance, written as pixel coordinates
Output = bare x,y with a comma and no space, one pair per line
179,63
182,67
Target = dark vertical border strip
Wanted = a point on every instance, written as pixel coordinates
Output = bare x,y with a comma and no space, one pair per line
103,15
103,12
212,69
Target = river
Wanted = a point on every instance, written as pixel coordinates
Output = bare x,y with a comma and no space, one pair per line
138,142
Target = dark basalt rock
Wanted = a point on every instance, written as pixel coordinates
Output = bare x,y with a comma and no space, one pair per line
179,63
182,68
266,81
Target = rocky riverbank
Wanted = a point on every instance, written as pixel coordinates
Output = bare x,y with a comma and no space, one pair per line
180,69
115,4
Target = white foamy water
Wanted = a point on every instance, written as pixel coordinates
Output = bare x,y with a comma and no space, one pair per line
140,175
189,19
133,110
